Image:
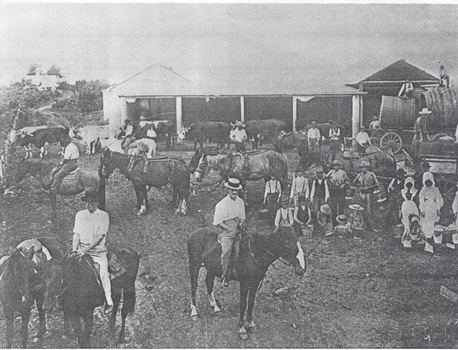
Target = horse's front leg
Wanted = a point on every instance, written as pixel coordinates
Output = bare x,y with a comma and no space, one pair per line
142,199
42,317
244,286
249,324
194,267
25,328
9,316
122,332
88,320
209,280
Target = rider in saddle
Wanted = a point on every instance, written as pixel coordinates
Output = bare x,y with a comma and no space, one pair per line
239,136
131,130
139,155
229,218
89,237
67,165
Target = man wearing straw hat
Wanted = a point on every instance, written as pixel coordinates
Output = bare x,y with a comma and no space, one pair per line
238,136
229,216
338,181
319,194
367,182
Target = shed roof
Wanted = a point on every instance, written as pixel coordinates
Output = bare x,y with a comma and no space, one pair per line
398,71
158,80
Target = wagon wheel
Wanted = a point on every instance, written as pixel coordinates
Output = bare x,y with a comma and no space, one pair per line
447,187
391,140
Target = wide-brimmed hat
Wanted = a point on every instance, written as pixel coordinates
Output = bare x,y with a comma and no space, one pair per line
364,164
238,123
90,197
325,209
233,184
342,219
425,110
336,163
356,206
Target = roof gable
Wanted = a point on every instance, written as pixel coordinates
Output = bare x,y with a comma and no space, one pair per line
399,71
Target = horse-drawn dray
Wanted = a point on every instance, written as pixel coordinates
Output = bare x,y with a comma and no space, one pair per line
398,116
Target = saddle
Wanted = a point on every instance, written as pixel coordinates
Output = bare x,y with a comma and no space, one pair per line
71,176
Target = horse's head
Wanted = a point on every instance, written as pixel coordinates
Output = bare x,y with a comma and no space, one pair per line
289,248
53,284
18,275
105,162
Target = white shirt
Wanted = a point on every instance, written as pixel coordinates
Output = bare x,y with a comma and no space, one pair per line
89,226
238,135
300,185
375,124
227,209
313,133
272,186
334,134
284,215
456,133
71,151
362,137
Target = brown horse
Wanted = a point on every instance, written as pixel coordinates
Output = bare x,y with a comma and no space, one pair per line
244,166
288,141
160,172
72,184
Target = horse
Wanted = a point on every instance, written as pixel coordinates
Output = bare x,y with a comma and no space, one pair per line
288,141
20,285
72,184
160,172
253,165
256,254
73,282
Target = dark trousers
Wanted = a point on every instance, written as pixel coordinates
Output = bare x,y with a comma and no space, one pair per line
240,147
337,202
65,169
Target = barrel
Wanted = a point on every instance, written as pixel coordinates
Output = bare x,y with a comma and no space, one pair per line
397,112
443,104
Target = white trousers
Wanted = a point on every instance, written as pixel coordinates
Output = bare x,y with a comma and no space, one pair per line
101,259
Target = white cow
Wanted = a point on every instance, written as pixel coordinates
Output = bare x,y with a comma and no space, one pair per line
91,134
114,145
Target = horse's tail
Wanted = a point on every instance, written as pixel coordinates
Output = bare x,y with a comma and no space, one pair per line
129,293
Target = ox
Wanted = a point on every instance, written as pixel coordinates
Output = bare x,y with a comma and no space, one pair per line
91,135
41,137
216,131
258,130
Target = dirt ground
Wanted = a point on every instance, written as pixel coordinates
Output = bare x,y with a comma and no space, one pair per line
356,293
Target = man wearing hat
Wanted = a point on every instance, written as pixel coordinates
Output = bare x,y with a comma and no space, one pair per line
238,136
367,182
67,165
319,194
406,89
131,131
362,141
229,215
89,237
313,136
338,181
300,186
323,225
302,215
421,126
395,198
375,123
334,141
284,217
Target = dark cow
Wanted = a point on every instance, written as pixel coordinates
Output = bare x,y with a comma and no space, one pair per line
268,129
164,130
215,131
42,137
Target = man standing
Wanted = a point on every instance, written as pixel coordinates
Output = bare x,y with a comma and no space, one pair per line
367,182
300,186
239,136
334,141
394,205
313,136
67,165
338,180
229,216
89,237
319,193
406,89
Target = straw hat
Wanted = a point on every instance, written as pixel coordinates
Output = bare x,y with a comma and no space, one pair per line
233,184
425,110
356,206
238,123
365,164
342,219
325,209
336,162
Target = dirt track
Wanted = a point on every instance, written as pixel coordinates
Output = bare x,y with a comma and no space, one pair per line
356,293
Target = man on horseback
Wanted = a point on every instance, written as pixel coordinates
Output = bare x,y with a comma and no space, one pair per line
131,132
89,237
68,164
229,217
139,155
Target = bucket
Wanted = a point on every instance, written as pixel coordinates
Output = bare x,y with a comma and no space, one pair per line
350,193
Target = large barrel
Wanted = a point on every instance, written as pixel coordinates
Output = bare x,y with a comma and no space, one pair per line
397,112
442,101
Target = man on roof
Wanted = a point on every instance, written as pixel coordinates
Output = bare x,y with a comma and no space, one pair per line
406,89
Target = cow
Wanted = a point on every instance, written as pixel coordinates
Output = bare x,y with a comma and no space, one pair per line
42,137
164,130
259,130
215,131
91,135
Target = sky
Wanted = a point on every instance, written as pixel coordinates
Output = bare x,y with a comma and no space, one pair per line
321,43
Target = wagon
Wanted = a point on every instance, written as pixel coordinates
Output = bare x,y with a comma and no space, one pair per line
398,116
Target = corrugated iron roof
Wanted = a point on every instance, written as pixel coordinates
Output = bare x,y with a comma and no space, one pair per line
399,71
158,80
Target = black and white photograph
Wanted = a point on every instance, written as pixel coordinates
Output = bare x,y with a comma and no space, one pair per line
228,175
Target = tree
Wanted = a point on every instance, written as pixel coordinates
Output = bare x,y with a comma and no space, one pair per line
53,70
33,69
90,97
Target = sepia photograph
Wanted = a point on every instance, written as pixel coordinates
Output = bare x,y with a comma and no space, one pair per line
228,175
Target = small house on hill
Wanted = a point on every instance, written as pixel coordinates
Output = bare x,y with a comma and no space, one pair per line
388,81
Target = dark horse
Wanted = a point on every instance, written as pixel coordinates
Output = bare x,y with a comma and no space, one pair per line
161,171
20,285
75,284
256,254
